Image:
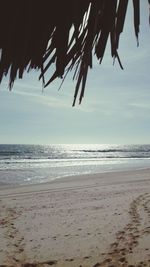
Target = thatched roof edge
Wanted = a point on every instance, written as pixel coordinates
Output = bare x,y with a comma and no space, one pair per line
36,34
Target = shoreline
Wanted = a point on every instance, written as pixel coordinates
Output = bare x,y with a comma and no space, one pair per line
28,176
89,221
73,179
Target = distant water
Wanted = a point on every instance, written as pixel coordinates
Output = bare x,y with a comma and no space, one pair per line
24,164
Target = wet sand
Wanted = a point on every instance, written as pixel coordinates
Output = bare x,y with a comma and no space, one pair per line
84,221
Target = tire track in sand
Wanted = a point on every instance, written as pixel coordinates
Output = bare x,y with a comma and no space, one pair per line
15,247
128,239
15,250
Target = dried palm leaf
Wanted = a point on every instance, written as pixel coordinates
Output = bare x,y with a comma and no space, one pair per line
36,34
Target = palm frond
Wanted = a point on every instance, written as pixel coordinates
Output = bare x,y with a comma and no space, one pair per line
38,34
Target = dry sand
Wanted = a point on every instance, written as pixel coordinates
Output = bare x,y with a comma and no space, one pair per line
84,221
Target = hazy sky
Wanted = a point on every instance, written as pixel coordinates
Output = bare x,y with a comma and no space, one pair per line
116,107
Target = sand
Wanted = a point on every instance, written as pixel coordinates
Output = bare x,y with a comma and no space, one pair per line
84,221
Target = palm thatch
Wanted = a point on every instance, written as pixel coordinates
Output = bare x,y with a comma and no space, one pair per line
36,34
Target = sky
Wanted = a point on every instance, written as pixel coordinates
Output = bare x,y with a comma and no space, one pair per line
115,109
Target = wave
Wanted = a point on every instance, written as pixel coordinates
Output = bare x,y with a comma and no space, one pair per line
115,150
16,153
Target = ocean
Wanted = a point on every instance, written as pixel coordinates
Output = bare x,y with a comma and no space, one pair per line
32,164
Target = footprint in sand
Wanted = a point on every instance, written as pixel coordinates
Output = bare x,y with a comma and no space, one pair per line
128,238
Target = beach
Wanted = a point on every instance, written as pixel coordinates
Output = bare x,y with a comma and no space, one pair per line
80,221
